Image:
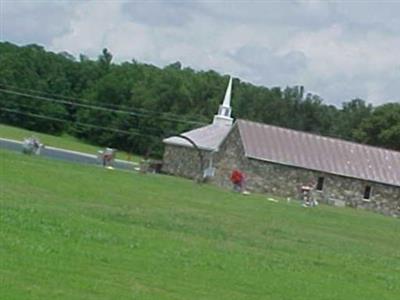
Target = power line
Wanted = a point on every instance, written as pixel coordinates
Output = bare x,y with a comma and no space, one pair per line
107,105
78,100
76,123
67,102
64,100
27,106
16,88
66,115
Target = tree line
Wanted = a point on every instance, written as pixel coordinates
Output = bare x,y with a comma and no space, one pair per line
132,106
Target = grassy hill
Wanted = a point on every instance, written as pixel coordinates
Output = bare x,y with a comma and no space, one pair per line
80,232
65,141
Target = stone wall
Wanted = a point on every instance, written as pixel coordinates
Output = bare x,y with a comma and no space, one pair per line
183,161
229,157
285,181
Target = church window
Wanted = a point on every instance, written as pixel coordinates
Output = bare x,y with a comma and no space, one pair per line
367,192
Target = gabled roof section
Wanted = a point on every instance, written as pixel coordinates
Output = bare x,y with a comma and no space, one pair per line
206,138
310,151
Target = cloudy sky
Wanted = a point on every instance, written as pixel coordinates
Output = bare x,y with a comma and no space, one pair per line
339,50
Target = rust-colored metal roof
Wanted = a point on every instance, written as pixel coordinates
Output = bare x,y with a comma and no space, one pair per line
315,152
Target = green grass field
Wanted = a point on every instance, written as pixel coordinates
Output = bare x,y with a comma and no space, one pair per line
81,232
64,141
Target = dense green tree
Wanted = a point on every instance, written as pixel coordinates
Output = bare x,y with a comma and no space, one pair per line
162,101
382,127
352,115
105,59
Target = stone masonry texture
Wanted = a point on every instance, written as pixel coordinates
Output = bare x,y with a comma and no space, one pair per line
280,180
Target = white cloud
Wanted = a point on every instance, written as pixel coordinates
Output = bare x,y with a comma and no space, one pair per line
34,21
161,13
339,50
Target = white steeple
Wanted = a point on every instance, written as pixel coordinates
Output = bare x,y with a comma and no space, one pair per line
224,112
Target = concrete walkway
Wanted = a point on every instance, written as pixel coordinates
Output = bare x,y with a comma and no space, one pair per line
68,155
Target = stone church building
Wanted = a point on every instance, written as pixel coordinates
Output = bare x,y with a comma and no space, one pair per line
278,161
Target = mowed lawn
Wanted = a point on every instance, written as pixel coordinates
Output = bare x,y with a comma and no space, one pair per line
80,232
64,141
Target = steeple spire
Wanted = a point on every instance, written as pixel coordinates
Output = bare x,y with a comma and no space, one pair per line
224,112
227,99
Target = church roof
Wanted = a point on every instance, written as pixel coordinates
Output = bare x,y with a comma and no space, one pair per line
319,153
207,138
